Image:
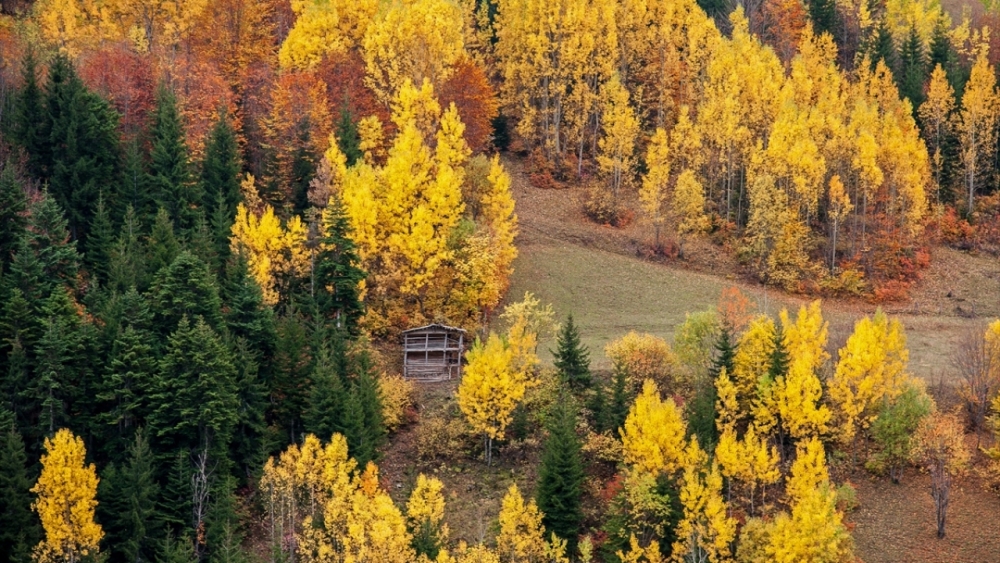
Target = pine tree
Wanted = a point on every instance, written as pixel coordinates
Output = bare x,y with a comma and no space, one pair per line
880,47
127,262
18,528
169,167
620,399
83,143
823,14
328,397
347,137
100,243
942,52
220,169
560,477
245,314
162,247
128,505
202,243
48,240
290,377
248,446
29,124
725,353
779,357
130,376
174,504
572,358
186,287
600,409
224,536
135,191
369,399
338,272
194,400
912,69
57,380
13,222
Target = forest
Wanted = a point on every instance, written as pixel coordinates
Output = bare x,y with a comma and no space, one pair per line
218,217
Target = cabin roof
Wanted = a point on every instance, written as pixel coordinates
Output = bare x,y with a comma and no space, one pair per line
435,327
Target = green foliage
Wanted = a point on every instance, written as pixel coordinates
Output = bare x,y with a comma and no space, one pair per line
338,272
220,182
942,52
127,261
725,352
130,376
100,242
185,288
348,139
162,247
13,222
880,47
895,427
48,240
169,167
572,358
560,476
28,129
127,505
823,14
19,529
913,69
328,397
83,153
645,506
290,377
621,399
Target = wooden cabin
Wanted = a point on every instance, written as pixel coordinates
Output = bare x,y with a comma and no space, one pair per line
433,352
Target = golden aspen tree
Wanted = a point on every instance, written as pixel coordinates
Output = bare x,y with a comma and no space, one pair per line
153,23
403,216
375,527
727,407
706,532
749,461
653,192
689,204
65,505
935,114
976,125
425,510
416,40
616,158
653,437
798,393
323,28
752,361
490,390
870,371
814,531
274,253
72,25
522,536
645,356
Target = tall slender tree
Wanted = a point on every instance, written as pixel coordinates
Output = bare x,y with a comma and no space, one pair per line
18,527
169,168
560,478
127,506
572,358
13,221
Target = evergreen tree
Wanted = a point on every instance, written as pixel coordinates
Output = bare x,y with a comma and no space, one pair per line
348,139
779,357
303,167
912,69
174,506
327,399
169,167
220,170
224,536
188,288
127,506
177,550
942,52
129,378
248,447
58,379
13,222
29,126
84,152
100,243
162,247
369,398
572,358
127,261
880,47
289,386
600,409
823,14
246,315
194,400
18,526
620,399
725,353
560,477
338,272
201,242
48,240
135,191
16,378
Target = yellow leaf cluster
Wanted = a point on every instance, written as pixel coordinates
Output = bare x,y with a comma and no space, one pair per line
653,437
66,491
798,393
752,360
871,369
645,356
491,387
426,503
323,28
522,536
706,532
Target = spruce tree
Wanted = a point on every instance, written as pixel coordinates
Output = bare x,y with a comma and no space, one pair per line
348,139
779,357
224,535
327,399
13,204
135,191
338,272
127,505
100,243
620,399
201,242
220,169
600,409
84,148
942,52
290,376
572,358
162,247
19,529
912,69
129,378
186,287
174,504
58,377
127,262
560,477
248,447
169,166
725,353
29,129
823,14
880,47
48,240
370,398
246,315
194,400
